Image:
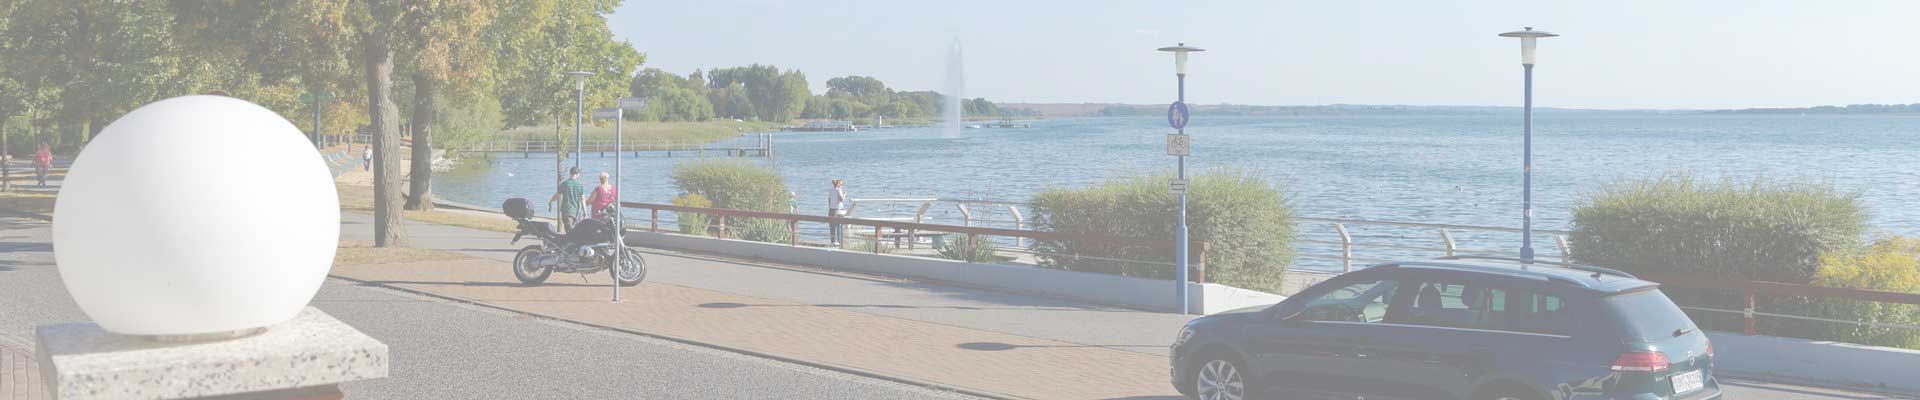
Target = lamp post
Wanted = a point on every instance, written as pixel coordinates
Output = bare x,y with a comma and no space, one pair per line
579,108
1527,39
1177,146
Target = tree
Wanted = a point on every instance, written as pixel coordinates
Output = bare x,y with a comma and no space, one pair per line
446,48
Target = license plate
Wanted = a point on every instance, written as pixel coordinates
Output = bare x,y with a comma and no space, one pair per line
1686,382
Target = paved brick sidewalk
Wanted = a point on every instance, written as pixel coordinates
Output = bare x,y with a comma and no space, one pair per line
964,358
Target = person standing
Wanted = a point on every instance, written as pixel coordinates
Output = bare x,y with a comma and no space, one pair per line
837,207
793,203
602,199
366,159
43,163
572,198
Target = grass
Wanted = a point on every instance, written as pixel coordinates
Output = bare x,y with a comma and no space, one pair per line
363,253
698,132
360,198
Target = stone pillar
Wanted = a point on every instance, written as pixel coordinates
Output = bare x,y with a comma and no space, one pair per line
305,358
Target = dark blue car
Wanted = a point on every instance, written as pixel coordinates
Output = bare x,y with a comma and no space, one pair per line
1476,328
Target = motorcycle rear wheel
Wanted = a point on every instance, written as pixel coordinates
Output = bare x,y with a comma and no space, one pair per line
524,268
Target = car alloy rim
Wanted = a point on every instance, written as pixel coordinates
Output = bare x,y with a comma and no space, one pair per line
1219,380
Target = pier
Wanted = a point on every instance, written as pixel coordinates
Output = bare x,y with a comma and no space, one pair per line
755,145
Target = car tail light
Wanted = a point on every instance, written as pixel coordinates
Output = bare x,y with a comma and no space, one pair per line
1709,348
1640,362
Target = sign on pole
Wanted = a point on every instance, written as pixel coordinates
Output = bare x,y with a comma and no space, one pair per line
633,103
1179,144
606,113
1177,186
1177,115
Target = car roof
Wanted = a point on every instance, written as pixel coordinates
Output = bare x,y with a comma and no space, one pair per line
1598,279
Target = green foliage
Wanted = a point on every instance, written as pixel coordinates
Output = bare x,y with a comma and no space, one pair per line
1891,264
693,223
980,251
1246,221
1760,230
738,185
466,123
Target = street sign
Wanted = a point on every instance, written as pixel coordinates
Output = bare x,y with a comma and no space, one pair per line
606,113
1179,144
1177,115
1177,186
633,103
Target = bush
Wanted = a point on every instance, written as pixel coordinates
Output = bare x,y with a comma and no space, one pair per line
1892,264
738,185
693,223
1246,221
956,248
1762,230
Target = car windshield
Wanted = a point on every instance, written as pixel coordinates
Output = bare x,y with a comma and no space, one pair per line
1647,315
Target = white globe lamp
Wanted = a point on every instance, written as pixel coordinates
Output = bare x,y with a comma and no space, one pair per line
196,215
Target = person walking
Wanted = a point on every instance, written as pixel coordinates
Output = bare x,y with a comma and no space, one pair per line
602,199
43,163
837,207
571,196
366,159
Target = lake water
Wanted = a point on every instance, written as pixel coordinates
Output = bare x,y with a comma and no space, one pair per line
1436,169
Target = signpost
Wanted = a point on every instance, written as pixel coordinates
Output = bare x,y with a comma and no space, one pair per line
1177,115
619,223
633,103
316,98
1177,187
1179,144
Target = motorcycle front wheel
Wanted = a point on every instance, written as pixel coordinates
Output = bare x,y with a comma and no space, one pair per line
524,268
633,269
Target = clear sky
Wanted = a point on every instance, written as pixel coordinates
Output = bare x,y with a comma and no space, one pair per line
1615,53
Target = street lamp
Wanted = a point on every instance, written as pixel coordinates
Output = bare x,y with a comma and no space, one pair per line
579,108
1178,145
1527,39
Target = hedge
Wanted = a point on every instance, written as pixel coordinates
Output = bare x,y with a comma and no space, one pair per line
1759,230
1246,221
1762,230
738,185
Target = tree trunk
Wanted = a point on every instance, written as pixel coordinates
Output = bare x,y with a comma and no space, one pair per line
389,229
420,193
6,168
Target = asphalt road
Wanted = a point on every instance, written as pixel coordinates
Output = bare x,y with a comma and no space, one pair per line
444,349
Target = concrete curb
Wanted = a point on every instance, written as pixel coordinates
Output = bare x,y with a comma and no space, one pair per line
825,366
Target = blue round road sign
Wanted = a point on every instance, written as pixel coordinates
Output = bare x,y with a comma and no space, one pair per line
1177,115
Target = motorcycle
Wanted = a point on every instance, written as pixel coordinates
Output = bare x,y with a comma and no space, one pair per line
586,248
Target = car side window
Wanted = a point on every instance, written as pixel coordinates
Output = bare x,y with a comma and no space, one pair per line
1451,305
1356,302
1540,313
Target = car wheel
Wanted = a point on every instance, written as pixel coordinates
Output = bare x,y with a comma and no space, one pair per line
1219,378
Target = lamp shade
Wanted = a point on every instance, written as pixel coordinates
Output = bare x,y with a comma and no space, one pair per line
1180,56
1527,37
196,215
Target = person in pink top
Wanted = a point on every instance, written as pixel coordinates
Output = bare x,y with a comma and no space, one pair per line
602,198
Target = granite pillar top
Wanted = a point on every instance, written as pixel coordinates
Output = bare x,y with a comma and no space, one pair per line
82,361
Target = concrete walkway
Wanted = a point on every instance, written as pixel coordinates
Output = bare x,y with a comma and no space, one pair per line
975,341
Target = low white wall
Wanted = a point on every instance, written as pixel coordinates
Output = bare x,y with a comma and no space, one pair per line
1817,361
1130,292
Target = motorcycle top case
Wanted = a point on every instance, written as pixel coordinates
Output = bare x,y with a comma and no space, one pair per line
517,208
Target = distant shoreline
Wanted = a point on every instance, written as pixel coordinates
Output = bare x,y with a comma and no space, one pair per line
1060,110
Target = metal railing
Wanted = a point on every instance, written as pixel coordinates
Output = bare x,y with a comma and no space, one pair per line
757,145
903,234
1327,244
